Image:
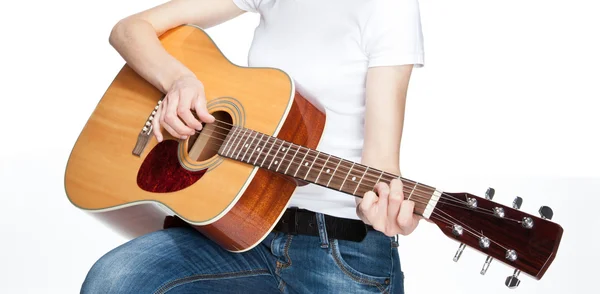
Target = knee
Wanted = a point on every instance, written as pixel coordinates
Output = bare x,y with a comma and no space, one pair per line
136,266
107,275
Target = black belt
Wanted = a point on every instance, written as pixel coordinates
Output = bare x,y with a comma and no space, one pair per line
303,222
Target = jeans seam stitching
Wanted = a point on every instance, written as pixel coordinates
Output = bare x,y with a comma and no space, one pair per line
286,252
172,284
281,286
351,275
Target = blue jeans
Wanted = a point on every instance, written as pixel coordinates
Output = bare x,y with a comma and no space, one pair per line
181,260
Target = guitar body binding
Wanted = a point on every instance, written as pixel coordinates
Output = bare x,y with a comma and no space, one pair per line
234,204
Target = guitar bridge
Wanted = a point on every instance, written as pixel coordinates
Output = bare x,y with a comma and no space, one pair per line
145,133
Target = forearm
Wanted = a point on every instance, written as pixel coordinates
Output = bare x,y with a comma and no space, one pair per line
381,162
384,117
137,42
136,37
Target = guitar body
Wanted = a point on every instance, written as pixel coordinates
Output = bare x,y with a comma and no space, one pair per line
118,171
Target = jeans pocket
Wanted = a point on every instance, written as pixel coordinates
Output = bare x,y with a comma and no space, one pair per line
365,269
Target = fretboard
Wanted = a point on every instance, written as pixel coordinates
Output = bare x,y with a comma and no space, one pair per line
315,167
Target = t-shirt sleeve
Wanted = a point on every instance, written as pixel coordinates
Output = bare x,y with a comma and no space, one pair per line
248,5
393,35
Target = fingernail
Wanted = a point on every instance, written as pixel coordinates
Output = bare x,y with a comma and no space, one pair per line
183,137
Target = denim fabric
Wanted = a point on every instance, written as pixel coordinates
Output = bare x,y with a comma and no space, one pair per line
181,260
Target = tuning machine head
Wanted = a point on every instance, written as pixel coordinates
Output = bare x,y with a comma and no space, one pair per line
546,212
459,252
513,281
517,202
489,194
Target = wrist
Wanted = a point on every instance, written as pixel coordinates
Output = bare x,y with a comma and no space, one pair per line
166,79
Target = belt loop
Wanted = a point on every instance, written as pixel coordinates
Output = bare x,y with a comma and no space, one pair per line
322,230
395,242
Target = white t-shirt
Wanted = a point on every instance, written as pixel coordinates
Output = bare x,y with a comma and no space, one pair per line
327,46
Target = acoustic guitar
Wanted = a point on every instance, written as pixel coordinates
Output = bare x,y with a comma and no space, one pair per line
233,180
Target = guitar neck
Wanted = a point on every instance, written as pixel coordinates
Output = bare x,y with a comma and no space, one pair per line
316,167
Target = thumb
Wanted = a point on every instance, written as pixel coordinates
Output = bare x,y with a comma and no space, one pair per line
202,111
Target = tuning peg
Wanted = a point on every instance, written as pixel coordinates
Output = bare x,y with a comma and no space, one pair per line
513,281
517,202
489,194
488,260
546,212
459,251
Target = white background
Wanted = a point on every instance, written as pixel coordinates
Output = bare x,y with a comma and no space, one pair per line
508,98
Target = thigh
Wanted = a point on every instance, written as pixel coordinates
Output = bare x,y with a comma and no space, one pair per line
179,260
371,266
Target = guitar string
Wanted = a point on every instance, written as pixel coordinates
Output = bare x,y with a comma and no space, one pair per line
297,146
369,177
318,164
343,170
362,185
470,230
446,201
434,213
451,199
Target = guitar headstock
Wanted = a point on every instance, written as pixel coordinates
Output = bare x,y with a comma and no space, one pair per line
523,241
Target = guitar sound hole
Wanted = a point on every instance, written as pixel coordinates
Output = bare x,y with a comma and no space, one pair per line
205,144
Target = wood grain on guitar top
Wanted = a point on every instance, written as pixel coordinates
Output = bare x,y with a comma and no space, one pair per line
101,172
263,202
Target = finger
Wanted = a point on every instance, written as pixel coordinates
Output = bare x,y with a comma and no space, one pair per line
164,106
383,193
395,200
186,96
201,110
405,217
369,210
156,124
172,119
366,205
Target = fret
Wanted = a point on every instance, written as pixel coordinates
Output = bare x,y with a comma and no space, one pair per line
320,168
240,149
412,190
378,179
258,148
286,149
387,177
346,178
361,179
311,165
421,198
323,167
267,155
277,141
340,174
334,172
250,146
236,147
292,160
351,181
302,162
366,183
232,141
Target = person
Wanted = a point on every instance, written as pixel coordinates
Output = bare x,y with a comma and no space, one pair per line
355,57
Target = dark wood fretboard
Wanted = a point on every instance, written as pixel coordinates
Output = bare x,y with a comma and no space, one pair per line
313,166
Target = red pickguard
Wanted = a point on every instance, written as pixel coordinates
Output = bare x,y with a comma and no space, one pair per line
161,171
